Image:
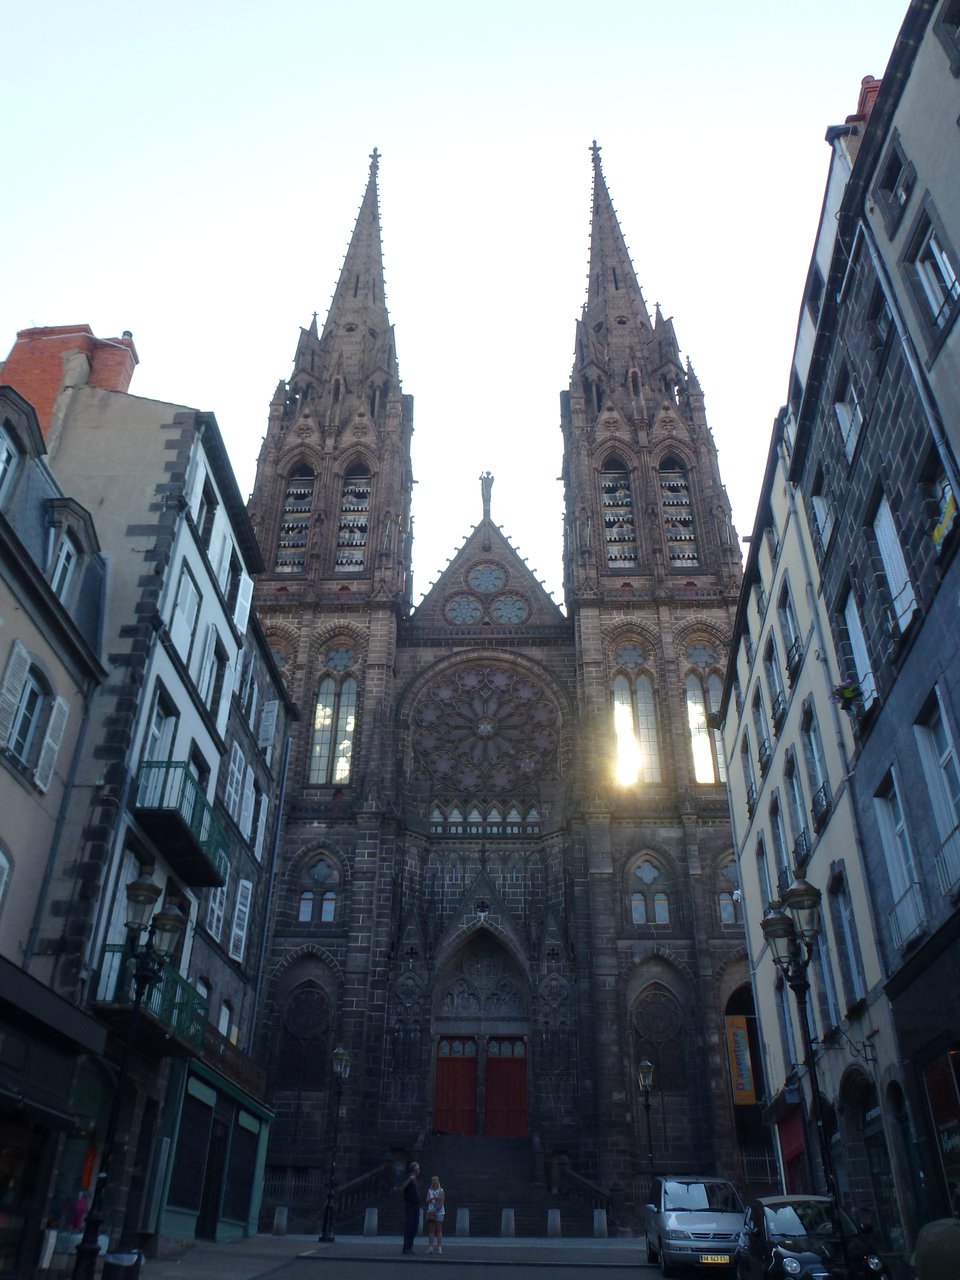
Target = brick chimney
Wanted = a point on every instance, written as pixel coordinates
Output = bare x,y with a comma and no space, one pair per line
43,361
869,88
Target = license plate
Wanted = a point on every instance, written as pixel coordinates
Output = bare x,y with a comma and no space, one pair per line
722,1258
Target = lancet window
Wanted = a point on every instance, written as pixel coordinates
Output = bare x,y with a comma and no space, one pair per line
703,687
635,728
677,507
295,523
334,722
354,522
319,887
619,529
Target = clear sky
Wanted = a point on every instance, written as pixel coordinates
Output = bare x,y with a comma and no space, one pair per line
191,170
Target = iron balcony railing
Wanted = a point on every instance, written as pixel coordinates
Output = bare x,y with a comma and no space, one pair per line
167,788
801,849
779,711
820,806
172,1001
948,862
794,658
907,918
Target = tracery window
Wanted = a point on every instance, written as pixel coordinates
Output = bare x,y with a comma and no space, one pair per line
354,522
295,525
319,888
703,689
648,898
334,722
635,729
678,515
619,530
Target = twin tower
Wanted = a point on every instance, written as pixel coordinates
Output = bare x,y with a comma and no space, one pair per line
507,875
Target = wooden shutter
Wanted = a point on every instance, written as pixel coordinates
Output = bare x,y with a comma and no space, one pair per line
56,726
241,918
246,809
14,678
244,597
268,728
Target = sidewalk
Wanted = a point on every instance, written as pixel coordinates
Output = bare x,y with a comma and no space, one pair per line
245,1259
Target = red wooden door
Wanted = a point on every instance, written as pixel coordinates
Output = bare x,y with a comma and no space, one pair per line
455,1093
506,1112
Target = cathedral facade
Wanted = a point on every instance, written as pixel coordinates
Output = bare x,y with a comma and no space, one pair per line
507,876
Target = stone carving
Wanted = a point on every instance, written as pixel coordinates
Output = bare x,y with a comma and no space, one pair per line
483,983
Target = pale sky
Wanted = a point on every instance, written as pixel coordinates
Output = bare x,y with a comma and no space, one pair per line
191,170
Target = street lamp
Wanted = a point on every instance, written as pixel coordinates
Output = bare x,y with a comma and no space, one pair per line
645,1081
341,1069
163,929
790,927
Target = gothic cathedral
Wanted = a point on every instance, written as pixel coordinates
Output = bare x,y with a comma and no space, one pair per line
507,875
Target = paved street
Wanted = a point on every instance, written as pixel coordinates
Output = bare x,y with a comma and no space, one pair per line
361,1258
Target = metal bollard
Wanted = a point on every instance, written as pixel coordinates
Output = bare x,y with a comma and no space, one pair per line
508,1226
600,1224
371,1221
463,1222
553,1222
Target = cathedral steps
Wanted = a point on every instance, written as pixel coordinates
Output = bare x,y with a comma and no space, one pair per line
484,1175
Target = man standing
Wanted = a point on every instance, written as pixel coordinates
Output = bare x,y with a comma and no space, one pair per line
411,1206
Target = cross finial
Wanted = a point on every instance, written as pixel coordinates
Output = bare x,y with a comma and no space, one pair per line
595,152
374,161
486,484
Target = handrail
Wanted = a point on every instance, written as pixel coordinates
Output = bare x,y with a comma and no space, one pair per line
169,785
585,1189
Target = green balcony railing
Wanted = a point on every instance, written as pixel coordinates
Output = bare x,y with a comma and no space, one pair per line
168,790
172,1002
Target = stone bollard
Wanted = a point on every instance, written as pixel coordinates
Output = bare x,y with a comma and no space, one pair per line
508,1226
463,1222
371,1221
553,1222
280,1215
600,1224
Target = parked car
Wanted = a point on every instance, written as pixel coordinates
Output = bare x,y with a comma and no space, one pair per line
692,1222
804,1238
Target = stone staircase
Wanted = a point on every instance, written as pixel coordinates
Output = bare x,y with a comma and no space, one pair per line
484,1175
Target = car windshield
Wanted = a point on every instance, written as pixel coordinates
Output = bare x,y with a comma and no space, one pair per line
718,1197
804,1218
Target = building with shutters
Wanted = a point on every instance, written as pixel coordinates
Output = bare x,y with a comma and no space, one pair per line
507,874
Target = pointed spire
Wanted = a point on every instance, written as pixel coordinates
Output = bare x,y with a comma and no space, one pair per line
614,297
486,485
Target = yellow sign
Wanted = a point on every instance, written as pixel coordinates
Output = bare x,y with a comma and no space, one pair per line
741,1068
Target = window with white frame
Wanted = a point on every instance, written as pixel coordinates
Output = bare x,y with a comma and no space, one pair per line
847,938
763,873
907,916
65,560
789,630
931,266
233,793
760,728
795,807
635,729
32,720
749,778
858,650
822,509
9,457
185,612
846,407
816,765
779,837
216,907
900,587
826,987
771,668
938,756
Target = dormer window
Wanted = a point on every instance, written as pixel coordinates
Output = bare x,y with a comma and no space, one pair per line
9,456
64,566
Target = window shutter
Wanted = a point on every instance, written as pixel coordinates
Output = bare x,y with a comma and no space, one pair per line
246,809
858,650
268,728
184,615
56,725
894,565
241,918
244,597
196,486
18,664
261,827
231,797
215,909
205,674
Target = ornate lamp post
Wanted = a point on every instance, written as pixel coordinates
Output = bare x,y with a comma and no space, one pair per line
790,927
645,1081
341,1069
163,929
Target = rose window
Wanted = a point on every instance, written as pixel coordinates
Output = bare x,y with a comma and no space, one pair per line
485,730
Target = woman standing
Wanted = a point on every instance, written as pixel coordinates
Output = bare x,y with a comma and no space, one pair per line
436,1196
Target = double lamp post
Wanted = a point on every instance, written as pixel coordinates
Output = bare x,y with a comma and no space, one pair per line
790,927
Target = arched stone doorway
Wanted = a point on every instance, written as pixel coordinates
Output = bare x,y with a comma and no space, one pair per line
481,1031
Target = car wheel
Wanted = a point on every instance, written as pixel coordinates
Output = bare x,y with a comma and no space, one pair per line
665,1268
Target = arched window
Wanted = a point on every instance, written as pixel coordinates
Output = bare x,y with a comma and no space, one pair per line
295,525
334,721
703,690
635,727
619,530
319,887
32,720
661,908
304,1030
354,521
648,894
677,508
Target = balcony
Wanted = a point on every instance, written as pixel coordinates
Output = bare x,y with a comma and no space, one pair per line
948,863
173,1014
801,850
794,659
751,798
907,919
174,812
779,711
821,806
764,754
